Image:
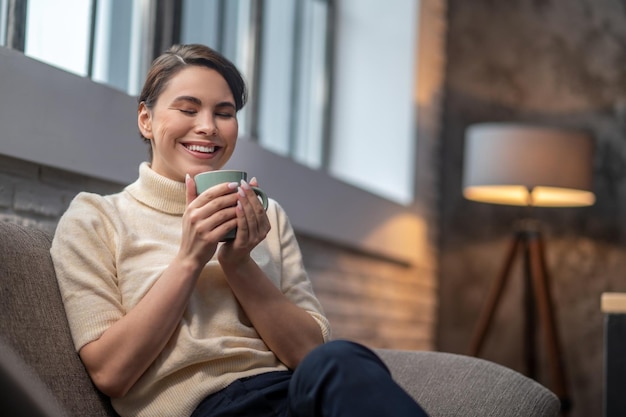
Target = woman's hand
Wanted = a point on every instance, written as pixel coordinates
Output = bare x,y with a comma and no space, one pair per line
207,218
252,226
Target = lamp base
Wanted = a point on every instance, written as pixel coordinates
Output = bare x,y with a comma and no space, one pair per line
538,300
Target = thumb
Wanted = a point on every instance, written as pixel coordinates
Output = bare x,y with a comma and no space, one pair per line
190,186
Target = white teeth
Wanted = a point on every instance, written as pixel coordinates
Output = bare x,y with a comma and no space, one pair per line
198,148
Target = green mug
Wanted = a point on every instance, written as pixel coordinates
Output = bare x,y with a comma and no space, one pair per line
206,180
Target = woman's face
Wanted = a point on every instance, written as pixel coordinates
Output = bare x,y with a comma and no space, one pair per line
193,124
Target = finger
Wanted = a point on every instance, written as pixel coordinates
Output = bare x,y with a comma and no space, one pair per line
243,223
255,202
226,216
190,192
219,230
213,194
252,208
254,182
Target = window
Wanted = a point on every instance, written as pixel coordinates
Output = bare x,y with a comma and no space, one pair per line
54,39
106,40
293,79
331,81
120,52
372,138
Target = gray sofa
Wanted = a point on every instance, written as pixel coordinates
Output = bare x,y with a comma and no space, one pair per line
41,374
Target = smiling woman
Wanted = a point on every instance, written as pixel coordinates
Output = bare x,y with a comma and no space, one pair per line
168,318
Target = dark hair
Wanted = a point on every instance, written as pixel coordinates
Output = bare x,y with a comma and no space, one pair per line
178,57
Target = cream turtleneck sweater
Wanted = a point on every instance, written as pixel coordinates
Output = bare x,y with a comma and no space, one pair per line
109,250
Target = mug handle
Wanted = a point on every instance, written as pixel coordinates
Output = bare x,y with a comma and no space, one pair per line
259,192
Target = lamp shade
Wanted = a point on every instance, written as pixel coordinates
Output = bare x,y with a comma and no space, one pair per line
522,165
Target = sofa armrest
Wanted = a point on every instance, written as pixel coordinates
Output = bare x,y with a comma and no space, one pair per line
450,385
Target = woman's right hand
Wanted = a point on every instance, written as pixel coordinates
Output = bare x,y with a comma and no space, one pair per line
207,218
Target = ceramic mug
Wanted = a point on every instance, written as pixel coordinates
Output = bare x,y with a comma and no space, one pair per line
206,180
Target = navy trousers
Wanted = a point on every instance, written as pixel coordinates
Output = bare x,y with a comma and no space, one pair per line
337,379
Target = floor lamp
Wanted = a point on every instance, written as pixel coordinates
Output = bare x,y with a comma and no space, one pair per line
534,166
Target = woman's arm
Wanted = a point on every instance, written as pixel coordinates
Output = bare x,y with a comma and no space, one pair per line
289,331
125,350
117,359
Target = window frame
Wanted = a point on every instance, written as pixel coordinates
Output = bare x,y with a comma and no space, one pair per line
15,35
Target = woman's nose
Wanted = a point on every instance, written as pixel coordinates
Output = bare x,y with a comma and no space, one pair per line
206,125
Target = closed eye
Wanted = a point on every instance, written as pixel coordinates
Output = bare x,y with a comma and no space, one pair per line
188,112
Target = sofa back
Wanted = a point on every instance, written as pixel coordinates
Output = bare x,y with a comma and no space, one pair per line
33,322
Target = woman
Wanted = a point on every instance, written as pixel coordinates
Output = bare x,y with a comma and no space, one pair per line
170,322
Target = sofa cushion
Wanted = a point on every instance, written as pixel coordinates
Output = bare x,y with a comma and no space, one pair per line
448,385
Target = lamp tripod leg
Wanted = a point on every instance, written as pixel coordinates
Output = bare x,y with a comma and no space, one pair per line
486,315
541,289
530,309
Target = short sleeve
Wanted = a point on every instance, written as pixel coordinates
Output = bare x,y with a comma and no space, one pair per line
295,282
84,256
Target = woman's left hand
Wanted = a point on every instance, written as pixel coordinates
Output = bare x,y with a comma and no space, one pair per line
252,226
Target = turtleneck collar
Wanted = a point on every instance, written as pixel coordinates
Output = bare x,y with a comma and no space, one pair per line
157,191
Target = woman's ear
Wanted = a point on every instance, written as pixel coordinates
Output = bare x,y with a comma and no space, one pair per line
144,121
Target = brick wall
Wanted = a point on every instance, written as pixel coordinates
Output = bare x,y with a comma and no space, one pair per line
377,301
35,195
373,300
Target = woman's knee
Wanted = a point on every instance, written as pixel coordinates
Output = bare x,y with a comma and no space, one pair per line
342,353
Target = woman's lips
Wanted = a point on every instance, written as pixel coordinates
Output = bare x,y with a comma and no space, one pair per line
202,151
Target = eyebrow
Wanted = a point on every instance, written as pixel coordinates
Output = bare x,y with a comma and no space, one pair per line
197,101
190,99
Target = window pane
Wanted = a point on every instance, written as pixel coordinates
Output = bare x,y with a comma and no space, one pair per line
373,143
201,22
122,49
276,75
312,100
58,33
292,93
112,47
